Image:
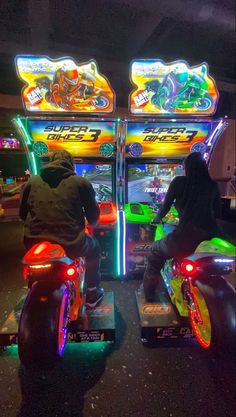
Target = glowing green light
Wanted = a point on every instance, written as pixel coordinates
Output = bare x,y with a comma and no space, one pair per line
160,232
11,350
23,130
217,245
221,242
33,163
93,349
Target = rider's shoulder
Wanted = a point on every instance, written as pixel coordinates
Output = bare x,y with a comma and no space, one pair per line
81,181
179,179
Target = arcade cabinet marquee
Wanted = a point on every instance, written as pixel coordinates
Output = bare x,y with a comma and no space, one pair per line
170,102
62,85
172,89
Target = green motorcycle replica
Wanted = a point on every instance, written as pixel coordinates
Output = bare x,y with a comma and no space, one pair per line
199,287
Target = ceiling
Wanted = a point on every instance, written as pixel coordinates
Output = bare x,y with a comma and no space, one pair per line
116,31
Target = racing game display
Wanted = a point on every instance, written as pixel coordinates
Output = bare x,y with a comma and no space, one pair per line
148,183
100,176
9,143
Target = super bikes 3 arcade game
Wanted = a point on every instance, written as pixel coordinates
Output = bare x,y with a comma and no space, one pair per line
66,90
58,92
170,102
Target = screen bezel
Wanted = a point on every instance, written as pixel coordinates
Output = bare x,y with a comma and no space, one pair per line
138,161
84,161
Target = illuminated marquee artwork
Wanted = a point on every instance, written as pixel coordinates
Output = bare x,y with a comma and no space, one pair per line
63,85
146,140
172,89
79,138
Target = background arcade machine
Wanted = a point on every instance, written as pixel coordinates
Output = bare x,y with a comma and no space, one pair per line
59,90
156,142
13,174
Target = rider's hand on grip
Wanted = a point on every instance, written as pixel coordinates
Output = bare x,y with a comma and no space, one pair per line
156,221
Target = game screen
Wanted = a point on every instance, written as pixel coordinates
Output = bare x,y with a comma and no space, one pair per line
100,176
9,143
148,183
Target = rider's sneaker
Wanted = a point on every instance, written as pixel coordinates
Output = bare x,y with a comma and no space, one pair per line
94,296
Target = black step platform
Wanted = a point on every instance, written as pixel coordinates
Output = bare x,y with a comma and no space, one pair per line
93,325
159,320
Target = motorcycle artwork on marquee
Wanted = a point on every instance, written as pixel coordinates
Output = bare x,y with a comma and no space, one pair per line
171,89
63,85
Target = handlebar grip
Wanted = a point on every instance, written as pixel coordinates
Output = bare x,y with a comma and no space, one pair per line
156,223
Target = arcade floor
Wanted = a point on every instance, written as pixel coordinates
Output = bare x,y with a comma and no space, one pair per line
103,380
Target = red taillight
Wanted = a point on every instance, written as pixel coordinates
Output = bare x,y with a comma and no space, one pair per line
71,271
29,269
188,268
40,266
26,272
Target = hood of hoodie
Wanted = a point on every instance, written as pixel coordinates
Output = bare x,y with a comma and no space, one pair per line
56,171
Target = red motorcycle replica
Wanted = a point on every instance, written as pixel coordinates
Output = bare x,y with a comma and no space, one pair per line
54,299
55,302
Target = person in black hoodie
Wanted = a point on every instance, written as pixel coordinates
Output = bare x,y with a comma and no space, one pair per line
197,200
54,207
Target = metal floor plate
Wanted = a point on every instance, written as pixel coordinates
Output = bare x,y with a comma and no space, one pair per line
96,324
159,320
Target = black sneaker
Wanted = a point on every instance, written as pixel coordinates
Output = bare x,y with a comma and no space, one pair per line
93,297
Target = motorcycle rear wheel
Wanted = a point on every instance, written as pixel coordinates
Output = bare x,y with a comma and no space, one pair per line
213,315
43,324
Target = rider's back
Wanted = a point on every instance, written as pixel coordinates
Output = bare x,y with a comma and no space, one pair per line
197,205
55,203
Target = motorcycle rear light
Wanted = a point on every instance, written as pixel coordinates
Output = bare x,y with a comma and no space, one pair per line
26,272
43,266
28,269
188,268
71,271
40,248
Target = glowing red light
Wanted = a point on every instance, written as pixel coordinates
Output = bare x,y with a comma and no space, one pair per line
26,272
188,267
71,271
